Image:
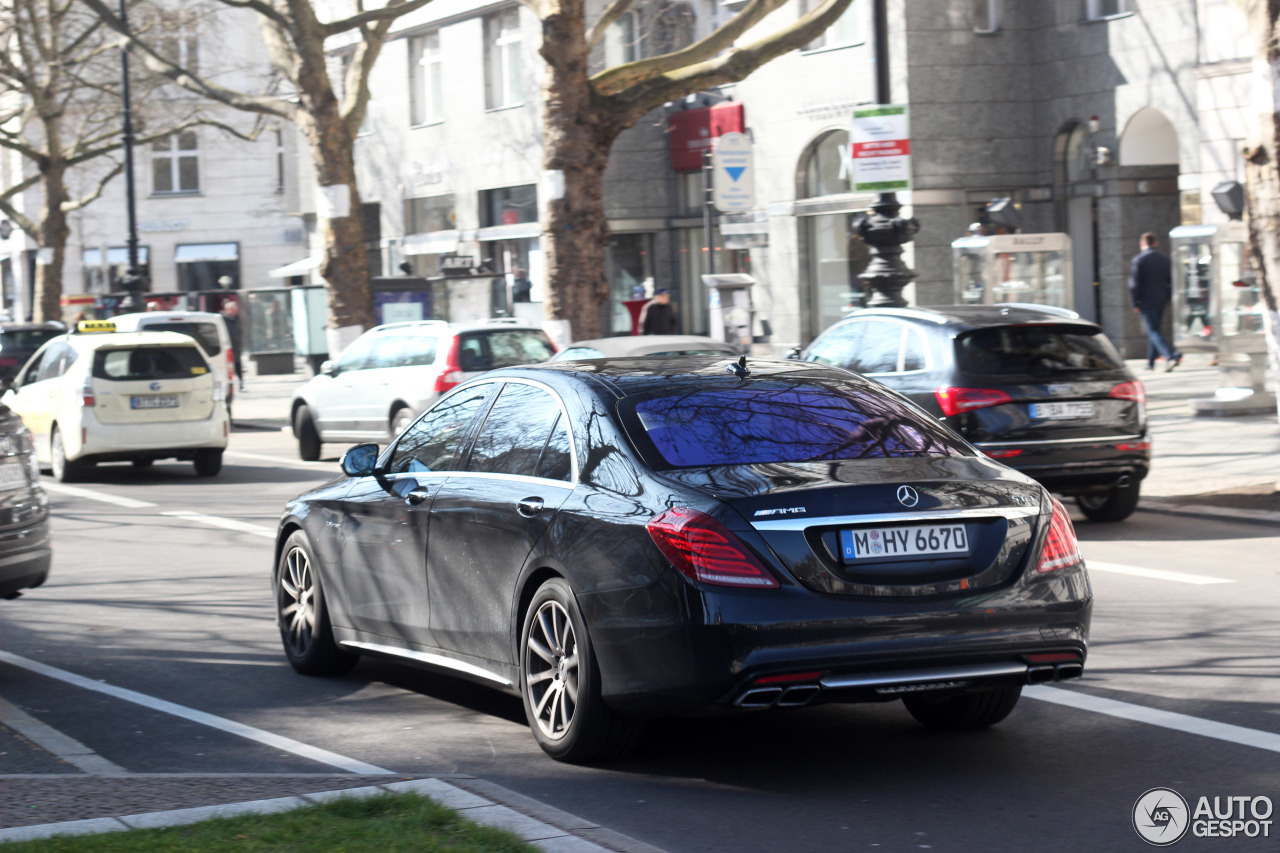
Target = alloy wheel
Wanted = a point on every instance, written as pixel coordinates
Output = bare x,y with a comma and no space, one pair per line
551,669
297,602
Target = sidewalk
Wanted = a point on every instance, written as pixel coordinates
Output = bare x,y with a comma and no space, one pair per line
264,402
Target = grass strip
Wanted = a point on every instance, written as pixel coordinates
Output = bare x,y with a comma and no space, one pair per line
384,824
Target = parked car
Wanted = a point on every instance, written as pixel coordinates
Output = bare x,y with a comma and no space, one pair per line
98,395
621,539
25,554
650,345
209,330
1036,387
18,341
391,373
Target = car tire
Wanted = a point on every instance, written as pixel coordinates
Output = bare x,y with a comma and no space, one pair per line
303,616
560,683
1115,505
63,470
304,427
400,420
143,463
964,711
208,462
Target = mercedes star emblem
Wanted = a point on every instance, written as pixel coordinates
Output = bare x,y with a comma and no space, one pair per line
908,496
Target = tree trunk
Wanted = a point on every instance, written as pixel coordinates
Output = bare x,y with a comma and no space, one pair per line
346,259
578,132
52,239
1263,180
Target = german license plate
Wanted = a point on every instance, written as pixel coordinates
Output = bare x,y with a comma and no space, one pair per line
155,401
1057,411
877,543
12,476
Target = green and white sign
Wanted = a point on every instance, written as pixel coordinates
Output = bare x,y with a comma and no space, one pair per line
881,148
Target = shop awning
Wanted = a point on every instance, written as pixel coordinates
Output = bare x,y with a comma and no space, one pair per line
520,231
115,256
196,253
296,268
433,243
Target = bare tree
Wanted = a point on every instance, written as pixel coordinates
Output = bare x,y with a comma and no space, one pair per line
61,112
1262,159
583,114
329,120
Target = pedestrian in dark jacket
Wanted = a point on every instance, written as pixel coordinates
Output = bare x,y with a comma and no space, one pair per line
658,317
1150,286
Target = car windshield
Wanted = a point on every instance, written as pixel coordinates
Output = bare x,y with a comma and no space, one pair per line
206,334
1036,351
26,340
491,349
782,422
144,363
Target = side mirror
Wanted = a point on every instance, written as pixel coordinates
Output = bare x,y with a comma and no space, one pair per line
794,354
360,461
328,368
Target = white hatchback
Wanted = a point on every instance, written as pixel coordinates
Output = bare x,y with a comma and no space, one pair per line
106,396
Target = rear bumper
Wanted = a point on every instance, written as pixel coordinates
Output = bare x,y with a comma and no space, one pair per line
165,440
25,557
711,648
1076,467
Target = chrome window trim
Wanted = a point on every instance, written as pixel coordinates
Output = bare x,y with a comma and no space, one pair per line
428,658
1103,439
803,523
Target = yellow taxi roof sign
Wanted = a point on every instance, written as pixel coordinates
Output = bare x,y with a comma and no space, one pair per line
95,326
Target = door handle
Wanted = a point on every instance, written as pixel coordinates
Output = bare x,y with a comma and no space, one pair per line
417,497
529,507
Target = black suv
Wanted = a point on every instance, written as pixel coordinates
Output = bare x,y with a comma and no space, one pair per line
1035,387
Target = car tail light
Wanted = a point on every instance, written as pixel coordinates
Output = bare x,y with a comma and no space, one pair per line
8,361
1128,447
955,401
452,374
1129,391
704,550
1060,546
231,366
86,394
1007,453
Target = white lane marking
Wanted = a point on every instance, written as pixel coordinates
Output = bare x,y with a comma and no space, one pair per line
313,753
224,523
1155,574
1154,717
91,495
56,743
276,460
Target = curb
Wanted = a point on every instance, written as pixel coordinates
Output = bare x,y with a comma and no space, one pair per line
541,825
1247,516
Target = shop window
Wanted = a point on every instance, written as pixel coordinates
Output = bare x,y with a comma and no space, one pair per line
843,32
102,278
630,270
433,213
504,64
828,169
508,206
208,266
175,164
426,79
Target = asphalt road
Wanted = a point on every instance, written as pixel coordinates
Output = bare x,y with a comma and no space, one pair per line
166,593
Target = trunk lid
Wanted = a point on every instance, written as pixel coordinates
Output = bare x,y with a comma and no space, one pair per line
151,383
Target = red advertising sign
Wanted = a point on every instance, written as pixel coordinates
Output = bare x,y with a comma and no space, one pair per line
693,131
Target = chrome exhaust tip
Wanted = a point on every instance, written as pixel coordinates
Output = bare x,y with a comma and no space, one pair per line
1069,670
1040,674
1124,481
760,697
801,694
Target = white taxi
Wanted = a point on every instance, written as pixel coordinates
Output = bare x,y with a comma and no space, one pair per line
97,395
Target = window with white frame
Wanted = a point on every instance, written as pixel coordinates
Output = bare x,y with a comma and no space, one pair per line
986,16
175,164
845,31
504,66
278,135
426,79
620,41
1097,9
176,39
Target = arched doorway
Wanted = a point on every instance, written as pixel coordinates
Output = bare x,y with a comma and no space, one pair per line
1149,139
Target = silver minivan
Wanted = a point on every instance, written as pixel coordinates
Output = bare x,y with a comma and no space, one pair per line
393,372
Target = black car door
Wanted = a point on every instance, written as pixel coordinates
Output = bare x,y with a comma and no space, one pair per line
386,522
489,514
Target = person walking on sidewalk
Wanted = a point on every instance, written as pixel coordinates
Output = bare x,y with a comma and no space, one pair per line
658,317
1150,286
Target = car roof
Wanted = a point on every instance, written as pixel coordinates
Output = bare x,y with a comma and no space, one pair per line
89,341
960,318
32,327
629,345
626,376
441,325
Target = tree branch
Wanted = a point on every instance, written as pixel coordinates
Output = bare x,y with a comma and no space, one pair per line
96,193
613,12
29,226
264,9
394,9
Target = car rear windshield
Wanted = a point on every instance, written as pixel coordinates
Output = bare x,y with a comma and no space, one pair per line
26,340
142,363
491,349
757,424
1036,351
206,334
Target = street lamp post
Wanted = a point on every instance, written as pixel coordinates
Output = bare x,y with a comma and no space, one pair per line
882,228
133,281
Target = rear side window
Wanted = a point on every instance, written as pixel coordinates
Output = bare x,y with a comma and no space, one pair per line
131,365
1036,351
782,422
515,432
401,350
491,349
206,334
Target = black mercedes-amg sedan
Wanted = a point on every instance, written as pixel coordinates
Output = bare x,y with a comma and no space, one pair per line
619,539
